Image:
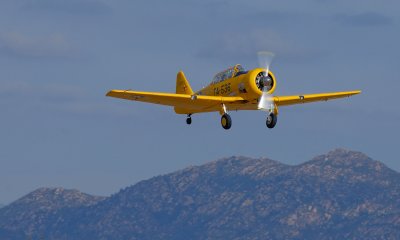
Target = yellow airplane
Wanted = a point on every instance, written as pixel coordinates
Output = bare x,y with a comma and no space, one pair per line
231,90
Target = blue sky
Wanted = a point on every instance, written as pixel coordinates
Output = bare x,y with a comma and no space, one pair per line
58,58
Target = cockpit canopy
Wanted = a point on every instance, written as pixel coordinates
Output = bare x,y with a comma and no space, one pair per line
228,73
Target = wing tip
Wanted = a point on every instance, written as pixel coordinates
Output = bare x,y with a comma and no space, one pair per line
109,93
114,92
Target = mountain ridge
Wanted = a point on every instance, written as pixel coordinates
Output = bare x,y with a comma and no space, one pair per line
341,194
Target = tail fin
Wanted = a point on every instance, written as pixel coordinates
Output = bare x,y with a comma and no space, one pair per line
182,85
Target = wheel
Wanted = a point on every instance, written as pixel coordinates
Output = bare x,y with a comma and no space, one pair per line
188,120
226,121
271,120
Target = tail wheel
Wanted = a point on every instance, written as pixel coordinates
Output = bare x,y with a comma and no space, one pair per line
189,119
226,121
271,120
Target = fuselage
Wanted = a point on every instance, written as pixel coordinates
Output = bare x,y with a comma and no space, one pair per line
242,85
235,82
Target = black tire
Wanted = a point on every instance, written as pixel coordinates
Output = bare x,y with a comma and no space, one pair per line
271,120
226,121
188,120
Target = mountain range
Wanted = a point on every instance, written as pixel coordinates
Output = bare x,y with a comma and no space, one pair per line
339,195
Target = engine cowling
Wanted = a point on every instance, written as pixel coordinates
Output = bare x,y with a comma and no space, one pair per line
256,80
264,81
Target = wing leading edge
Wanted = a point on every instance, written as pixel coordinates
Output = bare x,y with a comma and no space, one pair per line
307,98
185,104
180,101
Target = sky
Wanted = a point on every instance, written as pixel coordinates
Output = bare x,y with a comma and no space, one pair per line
58,58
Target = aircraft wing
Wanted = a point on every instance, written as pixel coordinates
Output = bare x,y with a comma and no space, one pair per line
197,102
307,98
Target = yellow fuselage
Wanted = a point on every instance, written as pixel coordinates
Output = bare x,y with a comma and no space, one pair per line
243,86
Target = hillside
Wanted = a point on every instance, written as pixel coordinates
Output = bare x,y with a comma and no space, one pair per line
29,213
339,195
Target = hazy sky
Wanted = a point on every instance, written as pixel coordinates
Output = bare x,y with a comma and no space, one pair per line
58,58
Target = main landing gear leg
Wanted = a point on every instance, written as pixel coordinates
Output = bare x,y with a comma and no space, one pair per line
189,119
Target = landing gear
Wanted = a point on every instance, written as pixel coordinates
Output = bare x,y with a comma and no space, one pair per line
271,120
189,119
226,121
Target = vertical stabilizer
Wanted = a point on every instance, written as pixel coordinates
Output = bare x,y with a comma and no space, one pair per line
182,85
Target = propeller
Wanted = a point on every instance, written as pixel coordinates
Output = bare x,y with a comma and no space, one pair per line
265,102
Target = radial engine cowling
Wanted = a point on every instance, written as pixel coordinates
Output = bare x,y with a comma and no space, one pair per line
265,82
